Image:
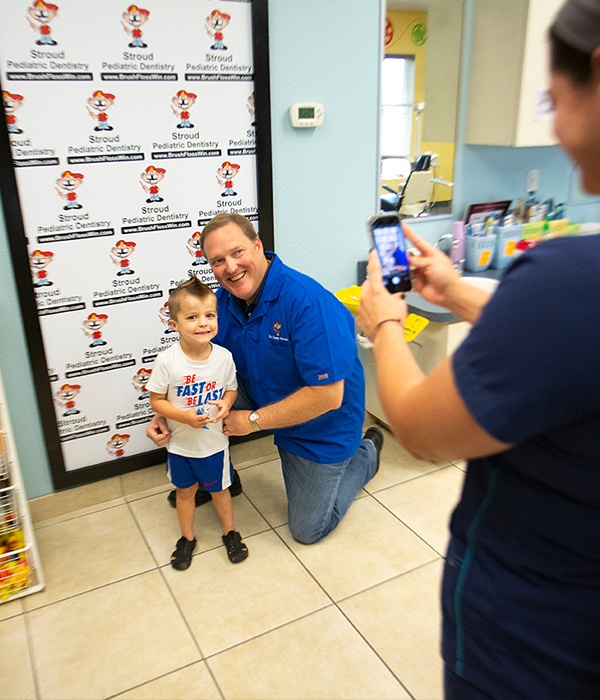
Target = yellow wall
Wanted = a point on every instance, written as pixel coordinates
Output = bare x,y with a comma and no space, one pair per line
403,22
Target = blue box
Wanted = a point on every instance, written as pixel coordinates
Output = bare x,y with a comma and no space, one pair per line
505,247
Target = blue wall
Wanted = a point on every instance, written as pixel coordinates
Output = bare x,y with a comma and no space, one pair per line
325,179
18,381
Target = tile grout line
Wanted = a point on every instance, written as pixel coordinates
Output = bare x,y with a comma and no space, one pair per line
366,641
159,567
408,527
32,661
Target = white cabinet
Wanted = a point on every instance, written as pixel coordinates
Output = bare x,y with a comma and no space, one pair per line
429,348
509,73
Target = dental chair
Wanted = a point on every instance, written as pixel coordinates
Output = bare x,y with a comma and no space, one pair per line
415,196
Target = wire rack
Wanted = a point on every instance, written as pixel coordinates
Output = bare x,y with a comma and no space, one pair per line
9,519
20,570
3,464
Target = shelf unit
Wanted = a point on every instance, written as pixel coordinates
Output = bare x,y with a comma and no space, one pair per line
20,570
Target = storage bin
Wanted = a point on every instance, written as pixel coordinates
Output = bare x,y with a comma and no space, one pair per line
507,238
350,297
534,229
558,227
478,252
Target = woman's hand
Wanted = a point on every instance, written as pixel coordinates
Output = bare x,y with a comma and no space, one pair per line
432,271
376,303
436,280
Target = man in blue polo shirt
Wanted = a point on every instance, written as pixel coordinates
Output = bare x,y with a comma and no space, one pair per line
295,351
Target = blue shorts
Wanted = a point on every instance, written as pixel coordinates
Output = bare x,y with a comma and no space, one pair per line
213,473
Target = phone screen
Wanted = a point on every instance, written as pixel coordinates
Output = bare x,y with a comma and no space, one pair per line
390,244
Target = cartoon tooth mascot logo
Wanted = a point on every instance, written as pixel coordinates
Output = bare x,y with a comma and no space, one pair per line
39,261
65,398
98,105
119,254
149,182
165,317
67,183
91,328
193,248
132,20
115,445
225,175
12,102
215,24
40,14
250,108
181,104
139,381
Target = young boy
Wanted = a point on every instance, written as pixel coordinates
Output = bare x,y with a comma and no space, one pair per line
193,385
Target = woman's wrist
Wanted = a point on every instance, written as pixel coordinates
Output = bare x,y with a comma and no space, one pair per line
380,325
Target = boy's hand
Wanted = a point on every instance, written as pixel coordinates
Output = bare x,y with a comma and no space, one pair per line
222,410
158,431
195,419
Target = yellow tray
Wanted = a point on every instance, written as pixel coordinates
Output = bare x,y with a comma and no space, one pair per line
350,298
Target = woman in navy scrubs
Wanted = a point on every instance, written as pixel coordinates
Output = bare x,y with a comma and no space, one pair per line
520,399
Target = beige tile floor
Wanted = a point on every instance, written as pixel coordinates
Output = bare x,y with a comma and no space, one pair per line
355,616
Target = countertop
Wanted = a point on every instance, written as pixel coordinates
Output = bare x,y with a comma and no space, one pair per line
432,312
439,314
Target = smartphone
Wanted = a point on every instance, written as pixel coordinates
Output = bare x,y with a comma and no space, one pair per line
388,239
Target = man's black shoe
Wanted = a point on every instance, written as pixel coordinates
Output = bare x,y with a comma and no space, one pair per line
203,496
236,485
376,437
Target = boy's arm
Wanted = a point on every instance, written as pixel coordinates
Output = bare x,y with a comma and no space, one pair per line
160,404
224,405
229,397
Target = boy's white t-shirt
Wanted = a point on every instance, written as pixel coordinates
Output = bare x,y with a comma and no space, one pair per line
189,383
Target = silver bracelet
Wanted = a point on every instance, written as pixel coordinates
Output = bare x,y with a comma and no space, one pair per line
386,320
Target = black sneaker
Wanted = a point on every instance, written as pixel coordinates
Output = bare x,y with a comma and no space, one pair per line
182,556
236,549
203,496
376,437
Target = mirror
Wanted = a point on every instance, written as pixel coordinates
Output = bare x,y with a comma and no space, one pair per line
419,93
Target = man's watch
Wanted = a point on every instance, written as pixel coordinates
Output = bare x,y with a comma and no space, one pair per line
253,418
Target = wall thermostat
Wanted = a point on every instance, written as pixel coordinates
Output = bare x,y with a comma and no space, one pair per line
303,114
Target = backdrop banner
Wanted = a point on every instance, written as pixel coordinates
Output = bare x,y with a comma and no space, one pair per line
130,128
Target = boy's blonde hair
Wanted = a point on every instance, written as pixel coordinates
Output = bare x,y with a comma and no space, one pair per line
191,286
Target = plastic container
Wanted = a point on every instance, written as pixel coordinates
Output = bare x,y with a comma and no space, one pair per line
350,297
478,252
534,228
558,227
507,238
457,253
